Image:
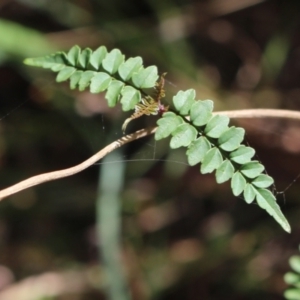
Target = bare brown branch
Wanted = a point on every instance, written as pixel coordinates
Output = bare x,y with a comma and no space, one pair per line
38,179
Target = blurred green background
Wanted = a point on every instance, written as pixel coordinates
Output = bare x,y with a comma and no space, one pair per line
182,235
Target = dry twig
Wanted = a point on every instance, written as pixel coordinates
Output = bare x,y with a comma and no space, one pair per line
38,179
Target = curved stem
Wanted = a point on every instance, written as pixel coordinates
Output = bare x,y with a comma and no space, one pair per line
38,179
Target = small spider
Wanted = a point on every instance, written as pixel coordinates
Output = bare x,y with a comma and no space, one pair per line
150,106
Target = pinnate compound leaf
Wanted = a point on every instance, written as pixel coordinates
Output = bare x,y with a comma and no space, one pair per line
167,124
97,57
145,78
216,126
130,97
238,183
263,181
112,61
99,82
231,139
65,74
266,200
73,55
242,154
249,193
114,92
183,136
225,171
85,79
201,112
128,67
184,100
197,150
211,161
252,169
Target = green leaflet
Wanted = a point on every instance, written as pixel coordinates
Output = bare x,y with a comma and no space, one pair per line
85,80
263,181
238,183
249,193
112,61
114,92
292,294
224,171
216,126
231,138
293,278
267,201
183,101
65,74
97,58
252,169
84,58
183,136
130,66
294,262
73,55
242,155
167,124
211,161
145,78
100,82
197,150
130,97
201,112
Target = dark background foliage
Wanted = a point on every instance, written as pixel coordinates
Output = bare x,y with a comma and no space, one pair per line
183,236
